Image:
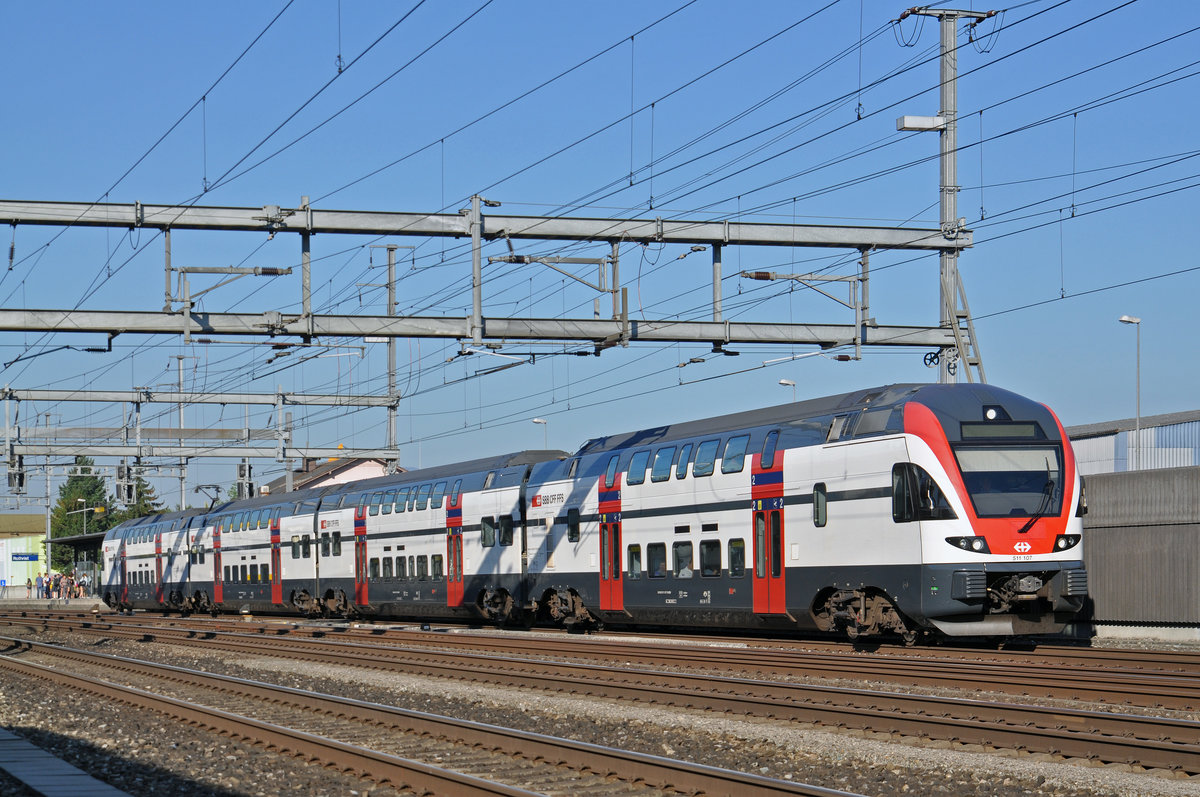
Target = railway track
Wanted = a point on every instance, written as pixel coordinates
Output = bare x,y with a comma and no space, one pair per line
382,743
1125,738
1113,677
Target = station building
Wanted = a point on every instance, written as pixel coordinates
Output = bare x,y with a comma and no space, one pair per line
21,551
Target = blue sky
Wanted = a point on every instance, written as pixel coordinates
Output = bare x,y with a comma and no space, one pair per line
1081,195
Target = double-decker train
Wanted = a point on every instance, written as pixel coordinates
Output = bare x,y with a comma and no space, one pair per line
900,510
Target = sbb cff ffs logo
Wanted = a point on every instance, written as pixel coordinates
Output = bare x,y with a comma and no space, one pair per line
1022,547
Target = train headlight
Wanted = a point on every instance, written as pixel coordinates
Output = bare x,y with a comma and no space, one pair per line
973,544
1064,541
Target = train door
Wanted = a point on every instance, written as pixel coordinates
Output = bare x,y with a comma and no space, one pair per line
769,539
612,593
122,574
158,564
218,585
361,593
454,546
276,559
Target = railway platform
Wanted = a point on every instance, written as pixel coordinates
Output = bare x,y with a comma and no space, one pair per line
42,772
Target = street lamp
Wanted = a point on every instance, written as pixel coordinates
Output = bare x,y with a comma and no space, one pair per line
84,510
545,432
1137,427
792,385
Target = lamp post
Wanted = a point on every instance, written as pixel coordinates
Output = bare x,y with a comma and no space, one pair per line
545,432
84,511
789,383
1137,423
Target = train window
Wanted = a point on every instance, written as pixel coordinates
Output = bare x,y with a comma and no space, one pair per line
664,458
767,460
836,427
610,471
264,571
373,568
362,504
734,458
572,468
487,532
422,568
337,543
760,545
683,529
296,546
306,547
656,560
873,422
634,558
487,480
389,499
776,545
710,558
376,500
435,566
506,530
685,454
572,525
387,567
401,498
412,567
325,543
422,496
637,467
820,505
916,496
439,490
401,572
682,557
228,573
245,575
737,558
456,491
706,455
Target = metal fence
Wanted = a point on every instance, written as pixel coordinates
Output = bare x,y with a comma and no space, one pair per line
1142,548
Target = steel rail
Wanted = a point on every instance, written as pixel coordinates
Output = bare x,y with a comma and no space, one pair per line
656,771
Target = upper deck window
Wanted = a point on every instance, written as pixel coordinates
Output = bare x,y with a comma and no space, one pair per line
706,455
734,458
664,458
637,467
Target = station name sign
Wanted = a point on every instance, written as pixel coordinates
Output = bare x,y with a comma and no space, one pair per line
24,557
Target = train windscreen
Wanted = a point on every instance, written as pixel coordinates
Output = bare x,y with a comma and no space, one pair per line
1012,481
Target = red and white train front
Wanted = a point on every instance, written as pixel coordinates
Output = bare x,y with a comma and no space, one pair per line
992,481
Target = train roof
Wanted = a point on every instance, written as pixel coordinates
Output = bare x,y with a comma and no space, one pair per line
956,398
481,465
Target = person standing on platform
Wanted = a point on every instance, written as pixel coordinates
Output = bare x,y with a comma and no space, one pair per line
40,586
28,588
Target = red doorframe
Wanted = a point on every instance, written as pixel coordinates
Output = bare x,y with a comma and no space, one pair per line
218,586
276,561
766,492
361,597
158,569
612,593
454,548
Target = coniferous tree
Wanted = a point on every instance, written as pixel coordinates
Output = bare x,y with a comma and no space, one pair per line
82,491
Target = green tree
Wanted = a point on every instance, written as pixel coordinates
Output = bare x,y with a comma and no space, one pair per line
82,491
